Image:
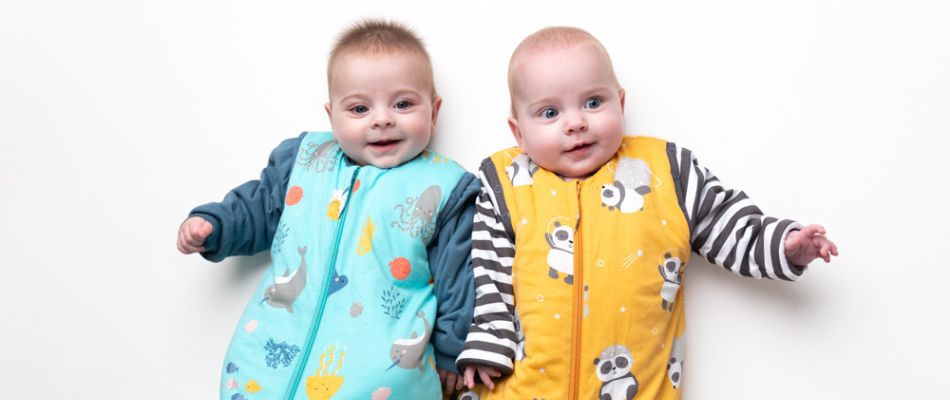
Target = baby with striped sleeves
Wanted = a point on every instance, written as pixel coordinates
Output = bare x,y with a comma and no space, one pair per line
581,237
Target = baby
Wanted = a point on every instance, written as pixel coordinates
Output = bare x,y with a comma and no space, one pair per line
582,235
370,288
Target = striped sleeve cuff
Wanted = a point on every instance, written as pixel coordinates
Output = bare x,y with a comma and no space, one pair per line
790,272
488,354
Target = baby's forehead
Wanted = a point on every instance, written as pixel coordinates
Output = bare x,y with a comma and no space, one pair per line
380,56
532,64
418,65
527,56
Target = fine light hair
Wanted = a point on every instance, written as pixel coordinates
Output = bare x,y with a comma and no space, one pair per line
551,39
377,37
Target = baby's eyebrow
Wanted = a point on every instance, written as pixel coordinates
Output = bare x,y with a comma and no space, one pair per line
353,97
597,89
404,92
542,102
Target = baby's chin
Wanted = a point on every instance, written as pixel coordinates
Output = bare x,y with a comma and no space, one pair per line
388,161
572,171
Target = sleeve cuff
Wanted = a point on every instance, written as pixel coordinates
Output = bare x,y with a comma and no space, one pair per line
480,357
446,362
795,272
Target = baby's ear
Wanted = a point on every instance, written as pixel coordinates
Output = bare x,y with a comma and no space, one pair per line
515,130
623,98
436,106
329,109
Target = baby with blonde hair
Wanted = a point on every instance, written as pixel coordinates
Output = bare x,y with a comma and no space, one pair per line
582,236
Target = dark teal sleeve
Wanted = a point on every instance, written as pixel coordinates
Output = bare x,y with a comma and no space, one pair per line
246,220
450,258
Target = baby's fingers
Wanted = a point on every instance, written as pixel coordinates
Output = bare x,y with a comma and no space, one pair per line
811,230
450,383
197,232
826,248
486,379
469,377
185,246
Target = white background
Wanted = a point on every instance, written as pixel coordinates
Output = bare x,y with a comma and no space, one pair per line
116,118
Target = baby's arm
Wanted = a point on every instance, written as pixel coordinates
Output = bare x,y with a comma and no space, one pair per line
451,265
727,229
491,340
245,221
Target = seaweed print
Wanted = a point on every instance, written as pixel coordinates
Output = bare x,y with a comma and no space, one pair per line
282,354
279,237
393,302
318,157
417,215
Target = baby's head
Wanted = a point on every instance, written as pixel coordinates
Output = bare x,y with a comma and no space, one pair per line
383,106
566,102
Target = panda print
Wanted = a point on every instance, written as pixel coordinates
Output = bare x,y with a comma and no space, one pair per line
674,368
671,269
519,345
631,183
614,370
521,171
561,252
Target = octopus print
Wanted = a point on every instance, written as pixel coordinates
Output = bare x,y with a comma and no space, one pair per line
417,214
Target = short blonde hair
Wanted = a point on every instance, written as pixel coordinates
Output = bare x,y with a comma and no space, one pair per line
549,39
376,37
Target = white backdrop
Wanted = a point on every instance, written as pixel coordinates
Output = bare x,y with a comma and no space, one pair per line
117,117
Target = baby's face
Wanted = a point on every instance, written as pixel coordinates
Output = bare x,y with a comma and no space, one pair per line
568,109
381,108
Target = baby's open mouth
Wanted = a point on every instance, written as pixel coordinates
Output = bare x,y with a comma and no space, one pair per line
580,148
384,143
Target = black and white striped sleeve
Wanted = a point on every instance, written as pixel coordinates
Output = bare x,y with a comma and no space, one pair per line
726,228
491,339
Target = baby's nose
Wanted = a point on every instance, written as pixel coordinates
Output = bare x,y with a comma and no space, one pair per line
576,124
382,120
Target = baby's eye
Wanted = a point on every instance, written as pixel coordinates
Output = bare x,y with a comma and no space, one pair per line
403,104
549,113
592,102
359,109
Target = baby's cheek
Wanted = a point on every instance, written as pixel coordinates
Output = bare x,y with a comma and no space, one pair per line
418,127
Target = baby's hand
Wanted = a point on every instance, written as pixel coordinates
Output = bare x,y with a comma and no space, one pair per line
485,373
807,244
192,235
450,381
